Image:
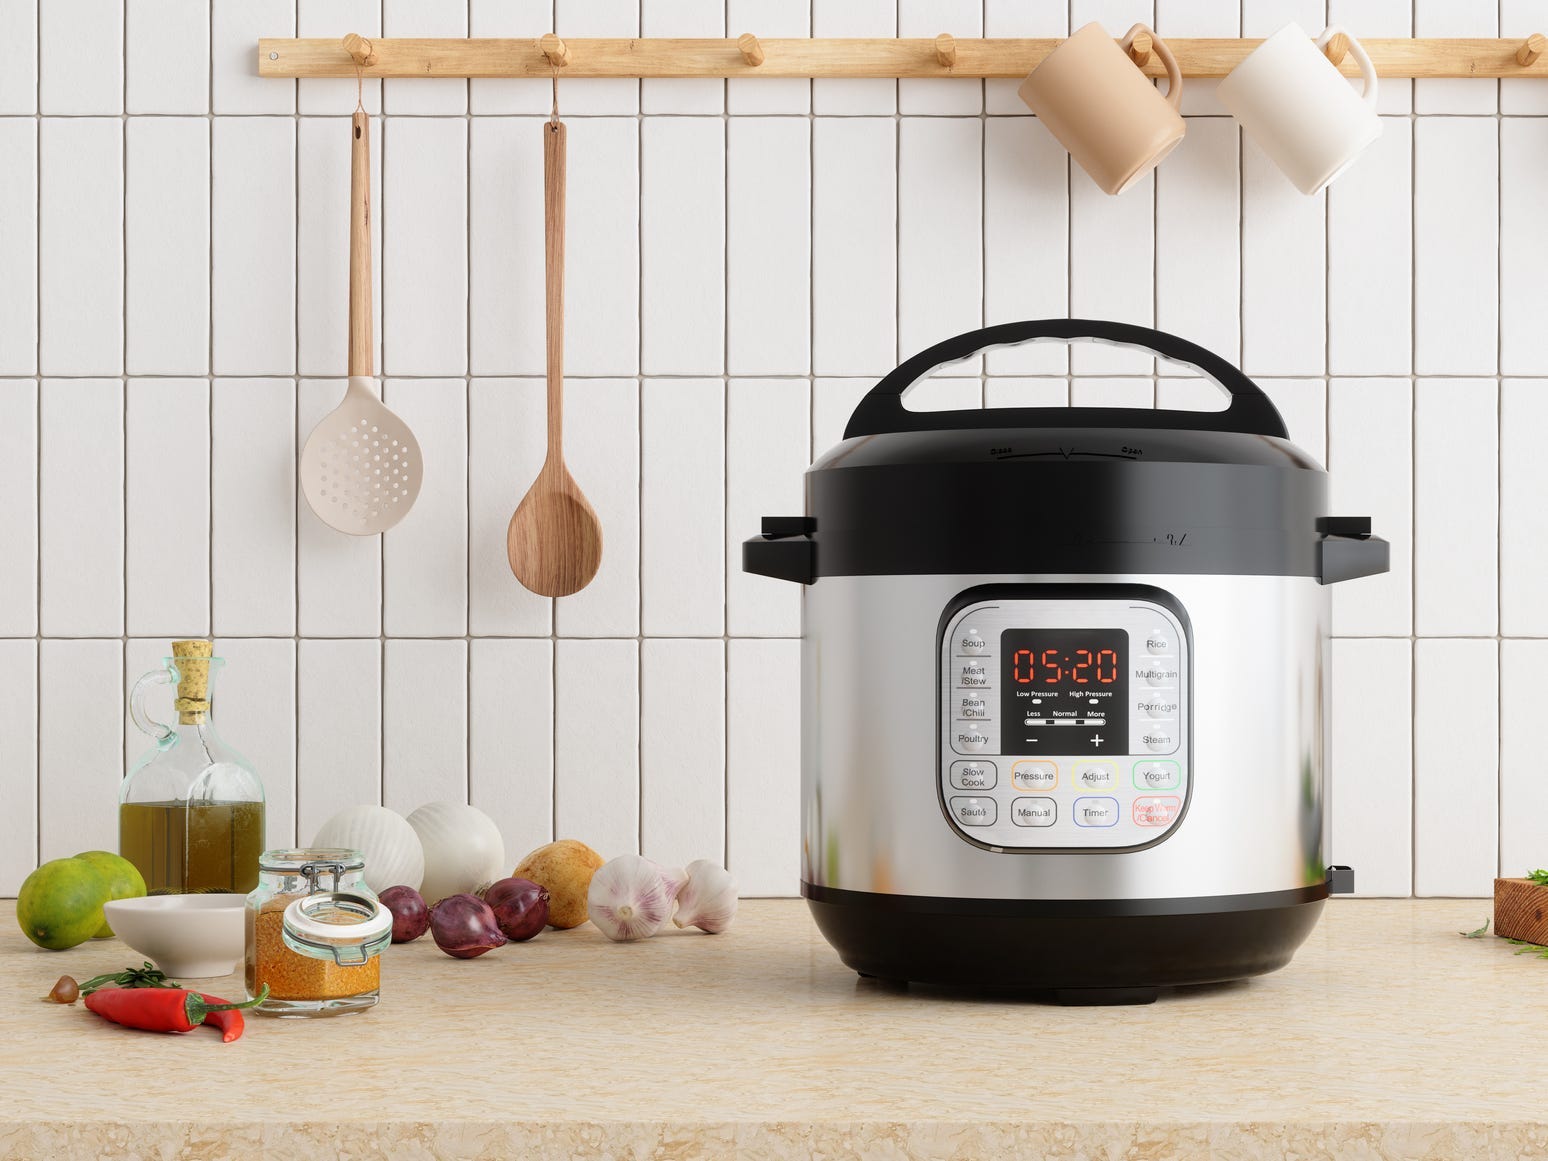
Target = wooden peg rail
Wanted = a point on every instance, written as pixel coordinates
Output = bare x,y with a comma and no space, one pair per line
942,56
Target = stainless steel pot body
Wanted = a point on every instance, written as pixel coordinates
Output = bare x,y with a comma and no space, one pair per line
874,821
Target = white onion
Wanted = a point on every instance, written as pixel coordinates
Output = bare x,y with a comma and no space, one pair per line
463,848
390,846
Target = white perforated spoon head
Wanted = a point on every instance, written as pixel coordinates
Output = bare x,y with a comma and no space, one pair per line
360,469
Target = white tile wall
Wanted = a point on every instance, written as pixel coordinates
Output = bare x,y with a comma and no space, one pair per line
172,294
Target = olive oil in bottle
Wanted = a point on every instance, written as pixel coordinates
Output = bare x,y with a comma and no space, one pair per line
190,814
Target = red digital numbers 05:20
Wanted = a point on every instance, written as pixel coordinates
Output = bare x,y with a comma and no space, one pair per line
1103,664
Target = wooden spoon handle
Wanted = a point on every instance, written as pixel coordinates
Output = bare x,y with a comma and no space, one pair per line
553,258
360,344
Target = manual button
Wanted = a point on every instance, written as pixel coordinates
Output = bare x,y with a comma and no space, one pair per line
974,775
975,811
1034,812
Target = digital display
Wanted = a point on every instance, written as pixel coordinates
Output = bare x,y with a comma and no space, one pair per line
1064,691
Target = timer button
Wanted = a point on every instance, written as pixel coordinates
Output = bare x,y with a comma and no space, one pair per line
1095,812
1158,704
1158,641
974,775
971,675
975,811
970,643
967,739
1159,737
1157,672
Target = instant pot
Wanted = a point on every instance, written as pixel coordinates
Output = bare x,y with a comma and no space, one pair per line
1065,683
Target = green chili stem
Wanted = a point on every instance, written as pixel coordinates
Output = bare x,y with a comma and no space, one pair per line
197,1009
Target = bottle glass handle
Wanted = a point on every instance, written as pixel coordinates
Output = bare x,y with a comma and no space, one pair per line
142,720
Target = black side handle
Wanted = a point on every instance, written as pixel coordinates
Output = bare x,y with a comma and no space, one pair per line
882,409
1347,549
785,551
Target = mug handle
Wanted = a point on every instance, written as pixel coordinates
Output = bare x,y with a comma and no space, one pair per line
1173,73
1367,69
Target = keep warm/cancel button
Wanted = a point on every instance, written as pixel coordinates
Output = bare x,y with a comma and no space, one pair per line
1156,810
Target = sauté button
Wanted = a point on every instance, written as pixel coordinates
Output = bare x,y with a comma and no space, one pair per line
1156,810
971,703
1034,775
975,811
1158,704
1159,737
1095,776
974,775
971,675
970,643
1095,812
1157,776
1158,641
969,740
1034,812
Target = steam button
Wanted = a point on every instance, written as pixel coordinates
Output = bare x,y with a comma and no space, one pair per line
1159,737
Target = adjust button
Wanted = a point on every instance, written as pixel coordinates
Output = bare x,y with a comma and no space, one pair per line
1034,812
975,811
1095,812
974,775
971,675
1095,776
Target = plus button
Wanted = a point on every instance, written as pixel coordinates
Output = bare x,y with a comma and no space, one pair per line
1096,740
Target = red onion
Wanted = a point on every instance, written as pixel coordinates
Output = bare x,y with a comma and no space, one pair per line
520,907
464,926
410,918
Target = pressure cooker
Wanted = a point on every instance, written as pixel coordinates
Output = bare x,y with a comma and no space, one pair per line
1064,683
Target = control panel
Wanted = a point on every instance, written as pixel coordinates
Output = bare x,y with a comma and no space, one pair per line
1064,721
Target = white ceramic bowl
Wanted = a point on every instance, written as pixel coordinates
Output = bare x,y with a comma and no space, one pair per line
192,936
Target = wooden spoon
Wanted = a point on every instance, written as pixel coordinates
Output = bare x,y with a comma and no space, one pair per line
554,541
360,469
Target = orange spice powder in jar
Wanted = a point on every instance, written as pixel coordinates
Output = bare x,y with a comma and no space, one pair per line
338,921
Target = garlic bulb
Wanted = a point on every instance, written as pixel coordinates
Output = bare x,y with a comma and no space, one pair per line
708,900
629,898
675,879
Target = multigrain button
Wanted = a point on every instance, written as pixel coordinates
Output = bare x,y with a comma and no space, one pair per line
974,775
1034,812
970,643
1157,776
968,739
970,675
1095,812
1034,775
1158,704
970,704
975,811
1095,776
1160,672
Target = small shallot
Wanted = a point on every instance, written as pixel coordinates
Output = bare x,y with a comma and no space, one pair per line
708,900
464,926
629,898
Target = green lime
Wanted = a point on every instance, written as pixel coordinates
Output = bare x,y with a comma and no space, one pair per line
60,904
124,880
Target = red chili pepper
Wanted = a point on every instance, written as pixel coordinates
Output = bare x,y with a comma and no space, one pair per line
165,1009
228,1020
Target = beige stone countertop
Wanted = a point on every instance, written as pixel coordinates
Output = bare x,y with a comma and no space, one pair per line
1388,1036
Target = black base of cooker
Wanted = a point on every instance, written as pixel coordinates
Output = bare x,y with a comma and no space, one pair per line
1084,952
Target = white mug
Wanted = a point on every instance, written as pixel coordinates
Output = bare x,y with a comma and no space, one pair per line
1296,105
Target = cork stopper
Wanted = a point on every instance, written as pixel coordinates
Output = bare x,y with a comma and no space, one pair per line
192,659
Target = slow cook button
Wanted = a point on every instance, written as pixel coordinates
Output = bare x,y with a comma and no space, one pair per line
975,811
1034,812
971,675
1095,776
1034,775
1095,812
970,643
1159,737
1158,704
970,704
1157,776
1156,810
969,740
1156,672
974,775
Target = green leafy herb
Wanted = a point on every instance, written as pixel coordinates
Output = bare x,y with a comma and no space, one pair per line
1539,876
1524,948
1476,933
140,977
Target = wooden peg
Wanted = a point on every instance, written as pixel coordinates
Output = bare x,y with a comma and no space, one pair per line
1336,49
553,48
752,52
1139,48
1533,47
360,50
946,50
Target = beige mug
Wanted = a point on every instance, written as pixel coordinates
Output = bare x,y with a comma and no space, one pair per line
1103,109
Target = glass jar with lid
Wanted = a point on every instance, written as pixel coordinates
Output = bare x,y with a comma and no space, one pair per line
315,933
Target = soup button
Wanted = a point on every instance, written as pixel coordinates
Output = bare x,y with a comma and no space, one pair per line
975,811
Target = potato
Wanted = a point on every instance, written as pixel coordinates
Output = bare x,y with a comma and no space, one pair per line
565,869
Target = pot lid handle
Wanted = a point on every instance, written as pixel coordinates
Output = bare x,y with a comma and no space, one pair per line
1250,410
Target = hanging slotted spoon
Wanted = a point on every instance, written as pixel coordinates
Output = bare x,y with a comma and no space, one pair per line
554,541
360,469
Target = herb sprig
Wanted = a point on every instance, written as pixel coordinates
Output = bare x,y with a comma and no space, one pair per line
1539,876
